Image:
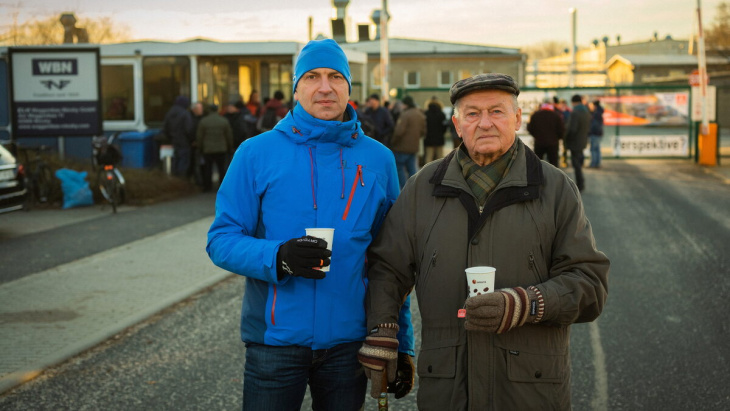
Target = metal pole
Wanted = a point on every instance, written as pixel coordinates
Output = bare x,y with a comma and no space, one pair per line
703,70
573,47
384,52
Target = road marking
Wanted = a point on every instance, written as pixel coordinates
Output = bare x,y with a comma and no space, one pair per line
600,401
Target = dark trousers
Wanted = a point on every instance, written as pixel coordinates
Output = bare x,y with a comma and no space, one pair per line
276,378
221,163
550,151
576,159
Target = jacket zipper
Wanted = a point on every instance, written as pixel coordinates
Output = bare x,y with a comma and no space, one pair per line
533,267
431,264
273,308
358,177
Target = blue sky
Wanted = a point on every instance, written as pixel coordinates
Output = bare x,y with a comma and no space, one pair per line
469,21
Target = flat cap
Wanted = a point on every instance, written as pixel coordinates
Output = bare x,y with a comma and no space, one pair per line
488,81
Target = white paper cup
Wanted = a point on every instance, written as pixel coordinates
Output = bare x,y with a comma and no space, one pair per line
327,234
480,280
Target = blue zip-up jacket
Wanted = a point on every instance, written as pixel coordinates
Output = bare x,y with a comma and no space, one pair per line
305,173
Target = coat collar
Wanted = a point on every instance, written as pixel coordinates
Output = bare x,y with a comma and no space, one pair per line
302,128
448,179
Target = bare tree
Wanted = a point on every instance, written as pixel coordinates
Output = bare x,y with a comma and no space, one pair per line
717,36
49,30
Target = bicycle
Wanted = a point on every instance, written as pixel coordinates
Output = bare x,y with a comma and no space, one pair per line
105,156
38,176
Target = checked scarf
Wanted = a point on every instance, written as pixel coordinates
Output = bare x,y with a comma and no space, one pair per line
483,179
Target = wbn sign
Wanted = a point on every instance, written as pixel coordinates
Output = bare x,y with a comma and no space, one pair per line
55,91
55,67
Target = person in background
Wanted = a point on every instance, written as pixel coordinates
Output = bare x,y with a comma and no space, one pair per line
303,326
547,128
381,119
576,137
254,105
409,130
214,139
433,143
178,127
236,113
273,111
195,157
491,202
595,134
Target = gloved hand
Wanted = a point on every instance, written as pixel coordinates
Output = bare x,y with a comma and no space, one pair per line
380,352
303,257
403,377
500,311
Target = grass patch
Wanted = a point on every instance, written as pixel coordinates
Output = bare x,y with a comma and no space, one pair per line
143,186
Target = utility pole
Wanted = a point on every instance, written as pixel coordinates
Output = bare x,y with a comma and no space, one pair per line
571,76
702,69
384,52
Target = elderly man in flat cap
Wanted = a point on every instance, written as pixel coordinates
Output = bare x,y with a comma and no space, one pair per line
490,202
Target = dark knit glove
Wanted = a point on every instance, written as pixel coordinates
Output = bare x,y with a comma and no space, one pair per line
379,352
403,377
303,257
503,310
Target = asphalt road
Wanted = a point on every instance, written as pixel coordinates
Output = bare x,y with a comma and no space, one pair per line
661,342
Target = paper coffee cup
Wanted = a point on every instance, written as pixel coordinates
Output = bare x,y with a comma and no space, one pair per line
327,234
480,280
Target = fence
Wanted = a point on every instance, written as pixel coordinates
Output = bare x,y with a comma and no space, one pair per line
645,121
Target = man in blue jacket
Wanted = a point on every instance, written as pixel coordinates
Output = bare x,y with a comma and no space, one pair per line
316,168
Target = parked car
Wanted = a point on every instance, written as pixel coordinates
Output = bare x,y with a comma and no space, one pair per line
12,182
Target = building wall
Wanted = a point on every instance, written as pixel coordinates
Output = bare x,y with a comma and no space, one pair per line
429,68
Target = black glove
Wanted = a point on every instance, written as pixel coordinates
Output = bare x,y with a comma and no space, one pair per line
303,257
403,377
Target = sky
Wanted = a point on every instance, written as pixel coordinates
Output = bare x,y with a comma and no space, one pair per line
486,22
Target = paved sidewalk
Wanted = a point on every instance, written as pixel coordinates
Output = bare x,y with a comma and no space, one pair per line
53,315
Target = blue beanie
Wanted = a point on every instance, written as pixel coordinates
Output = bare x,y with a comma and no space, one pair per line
322,54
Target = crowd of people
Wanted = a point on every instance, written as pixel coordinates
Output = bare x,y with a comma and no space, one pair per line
577,126
204,136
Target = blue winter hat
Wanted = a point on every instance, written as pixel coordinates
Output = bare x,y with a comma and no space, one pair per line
322,54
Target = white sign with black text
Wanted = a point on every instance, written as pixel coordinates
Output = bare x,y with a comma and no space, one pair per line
652,146
55,91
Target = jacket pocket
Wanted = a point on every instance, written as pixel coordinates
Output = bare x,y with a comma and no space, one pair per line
535,368
534,265
437,362
422,278
362,202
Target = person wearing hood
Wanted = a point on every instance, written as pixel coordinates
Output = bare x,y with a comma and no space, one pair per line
178,126
316,168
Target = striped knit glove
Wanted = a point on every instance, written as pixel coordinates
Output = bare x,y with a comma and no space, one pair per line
504,309
380,352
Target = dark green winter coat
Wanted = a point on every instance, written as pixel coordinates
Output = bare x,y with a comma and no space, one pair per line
534,231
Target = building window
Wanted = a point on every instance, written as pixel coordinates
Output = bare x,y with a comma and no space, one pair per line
445,78
412,79
164,78
276,77
464,74
117,92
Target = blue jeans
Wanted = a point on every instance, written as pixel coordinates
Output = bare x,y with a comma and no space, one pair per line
595,151
405,163
276,378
